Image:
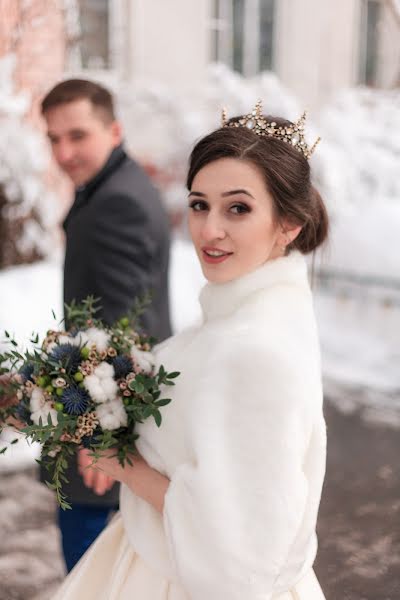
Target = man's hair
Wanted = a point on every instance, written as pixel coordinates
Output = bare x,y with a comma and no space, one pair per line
80,89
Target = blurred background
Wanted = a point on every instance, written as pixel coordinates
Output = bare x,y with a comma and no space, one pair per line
172,65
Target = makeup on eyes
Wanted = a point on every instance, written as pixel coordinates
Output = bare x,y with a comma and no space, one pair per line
201,204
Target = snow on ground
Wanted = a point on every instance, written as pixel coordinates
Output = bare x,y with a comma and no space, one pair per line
356,164
28,295
359,336
355,167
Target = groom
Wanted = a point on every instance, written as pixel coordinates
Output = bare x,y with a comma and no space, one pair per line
117,248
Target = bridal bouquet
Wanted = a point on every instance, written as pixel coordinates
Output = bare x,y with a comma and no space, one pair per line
87,386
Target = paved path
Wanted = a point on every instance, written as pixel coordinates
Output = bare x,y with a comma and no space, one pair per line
359,523
359,531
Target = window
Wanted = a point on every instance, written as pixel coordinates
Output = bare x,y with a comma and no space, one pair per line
369,38
94,36
243,33
266,35
98,38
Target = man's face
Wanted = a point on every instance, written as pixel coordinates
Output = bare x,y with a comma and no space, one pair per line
81,138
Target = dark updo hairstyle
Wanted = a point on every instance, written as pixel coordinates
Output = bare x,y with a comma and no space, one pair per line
286,172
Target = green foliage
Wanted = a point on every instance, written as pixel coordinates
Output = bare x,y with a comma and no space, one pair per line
141,393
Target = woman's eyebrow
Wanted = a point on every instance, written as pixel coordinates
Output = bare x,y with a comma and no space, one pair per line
224,195
233,192
199,194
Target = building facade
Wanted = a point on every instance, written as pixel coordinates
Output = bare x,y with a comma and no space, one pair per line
314,46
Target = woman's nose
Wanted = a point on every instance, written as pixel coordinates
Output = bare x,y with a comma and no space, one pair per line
213,228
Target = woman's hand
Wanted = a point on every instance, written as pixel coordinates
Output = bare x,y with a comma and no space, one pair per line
93,478
107,465
142,480
7,400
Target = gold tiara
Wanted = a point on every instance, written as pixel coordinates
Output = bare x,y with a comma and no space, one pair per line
291,134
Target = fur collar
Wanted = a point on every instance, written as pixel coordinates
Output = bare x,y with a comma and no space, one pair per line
219,299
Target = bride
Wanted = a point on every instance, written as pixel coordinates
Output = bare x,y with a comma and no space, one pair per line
222,502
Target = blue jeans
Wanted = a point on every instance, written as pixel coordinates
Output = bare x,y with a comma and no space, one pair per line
79,527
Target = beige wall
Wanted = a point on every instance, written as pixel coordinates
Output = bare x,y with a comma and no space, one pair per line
389,50
316,45
169,40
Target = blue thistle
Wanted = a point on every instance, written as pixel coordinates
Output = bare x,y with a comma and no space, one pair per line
69,356
122,366
75,400
23,413
26,371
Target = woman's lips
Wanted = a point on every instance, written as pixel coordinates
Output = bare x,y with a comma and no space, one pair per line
214,256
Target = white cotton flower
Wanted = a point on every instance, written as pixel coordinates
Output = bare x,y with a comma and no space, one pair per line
112,414
110,387
97,337
41,408
95,389
104,371
43,414
101,384
81,339
37,400
145,361
67,339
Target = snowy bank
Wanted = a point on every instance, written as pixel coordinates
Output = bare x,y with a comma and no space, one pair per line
359,340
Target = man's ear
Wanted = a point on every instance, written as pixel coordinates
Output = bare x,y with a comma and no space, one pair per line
116,132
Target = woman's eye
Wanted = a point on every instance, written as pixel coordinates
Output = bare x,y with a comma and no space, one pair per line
239,209
198,205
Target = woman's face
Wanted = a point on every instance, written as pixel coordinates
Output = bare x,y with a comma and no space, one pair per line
232,220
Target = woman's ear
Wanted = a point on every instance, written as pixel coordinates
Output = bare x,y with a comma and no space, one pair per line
288,233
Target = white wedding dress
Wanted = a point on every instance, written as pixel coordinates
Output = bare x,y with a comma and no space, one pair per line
243,443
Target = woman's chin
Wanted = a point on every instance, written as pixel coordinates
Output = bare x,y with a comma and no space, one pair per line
217,273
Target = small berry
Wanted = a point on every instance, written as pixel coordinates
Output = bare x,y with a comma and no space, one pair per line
78,377
85,352
43,380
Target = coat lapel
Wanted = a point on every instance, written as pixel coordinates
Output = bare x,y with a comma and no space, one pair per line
85,192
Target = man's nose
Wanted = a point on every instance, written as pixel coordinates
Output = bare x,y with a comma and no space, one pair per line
63,152
213,228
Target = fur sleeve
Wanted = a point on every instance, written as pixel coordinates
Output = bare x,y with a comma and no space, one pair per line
232,513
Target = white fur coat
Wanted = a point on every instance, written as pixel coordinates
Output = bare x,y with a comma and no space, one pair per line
243,442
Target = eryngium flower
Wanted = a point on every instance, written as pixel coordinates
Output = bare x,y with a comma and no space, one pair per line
66,354
123,365
23,413
75,400
26,372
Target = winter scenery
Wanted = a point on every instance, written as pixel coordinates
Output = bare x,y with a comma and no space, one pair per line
355,277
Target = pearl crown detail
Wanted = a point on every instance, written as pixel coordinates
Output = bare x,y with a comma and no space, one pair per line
256,122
